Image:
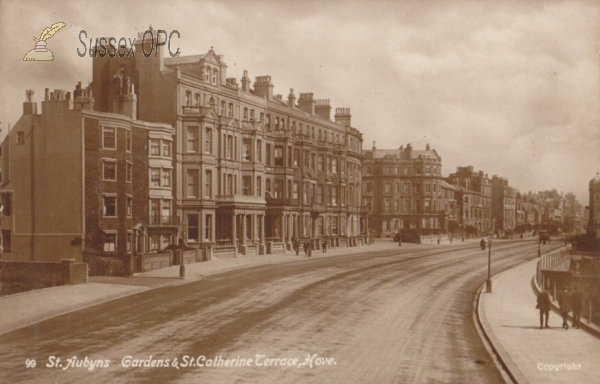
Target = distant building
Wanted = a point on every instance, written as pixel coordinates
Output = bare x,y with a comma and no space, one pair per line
403,189
479,213
503,204
593,226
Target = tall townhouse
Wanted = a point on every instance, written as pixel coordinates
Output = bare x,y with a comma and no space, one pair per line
469,210
80,183
503,204
252,170
479,182
403,189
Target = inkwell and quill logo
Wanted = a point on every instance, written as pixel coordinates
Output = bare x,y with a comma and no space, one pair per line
41,53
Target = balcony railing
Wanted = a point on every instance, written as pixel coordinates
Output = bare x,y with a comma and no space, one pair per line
191,110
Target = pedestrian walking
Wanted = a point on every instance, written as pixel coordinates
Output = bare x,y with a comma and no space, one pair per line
482,244
324,246
309,248
305,245
543,304
576,304
564,302
297,246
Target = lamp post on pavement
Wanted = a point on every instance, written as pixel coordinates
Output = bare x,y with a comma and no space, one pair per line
488,283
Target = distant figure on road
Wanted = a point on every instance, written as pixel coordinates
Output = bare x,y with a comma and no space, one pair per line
307,248
564,301
543,304
324,246
297,246
576,303
482,244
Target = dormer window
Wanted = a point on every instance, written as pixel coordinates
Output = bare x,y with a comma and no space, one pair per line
207,76
214,76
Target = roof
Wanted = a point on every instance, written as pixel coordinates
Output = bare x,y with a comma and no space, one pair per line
400,153
446,185
184,59
460,188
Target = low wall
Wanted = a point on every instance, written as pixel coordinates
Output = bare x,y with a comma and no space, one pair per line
21,276
109,265
224,252
151,261
189,256
251,250
275,248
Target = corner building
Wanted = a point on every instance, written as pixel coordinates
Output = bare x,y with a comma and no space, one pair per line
76,182
252,170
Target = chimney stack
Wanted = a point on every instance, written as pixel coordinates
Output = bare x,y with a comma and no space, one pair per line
29,106
126,101
323,109
245,82
83,97
263,87
343,116
306,103
292,98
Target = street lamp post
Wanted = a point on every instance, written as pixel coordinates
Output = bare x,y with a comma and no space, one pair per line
488,283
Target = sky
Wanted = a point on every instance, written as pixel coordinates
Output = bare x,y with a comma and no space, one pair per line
511,88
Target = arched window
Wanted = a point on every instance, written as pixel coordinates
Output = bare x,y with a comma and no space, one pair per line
207,76
212,103
214,76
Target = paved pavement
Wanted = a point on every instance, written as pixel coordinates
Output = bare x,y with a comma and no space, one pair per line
531,354
23,309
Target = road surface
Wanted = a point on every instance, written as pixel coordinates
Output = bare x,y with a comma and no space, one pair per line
399,315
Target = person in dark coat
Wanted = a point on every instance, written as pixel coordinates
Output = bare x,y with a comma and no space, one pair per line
576,304
308,248
564,302
297,246
305,246
482,244
543,304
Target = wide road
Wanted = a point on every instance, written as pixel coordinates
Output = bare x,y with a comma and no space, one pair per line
402,315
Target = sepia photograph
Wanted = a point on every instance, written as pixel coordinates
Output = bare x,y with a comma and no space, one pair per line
300,191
